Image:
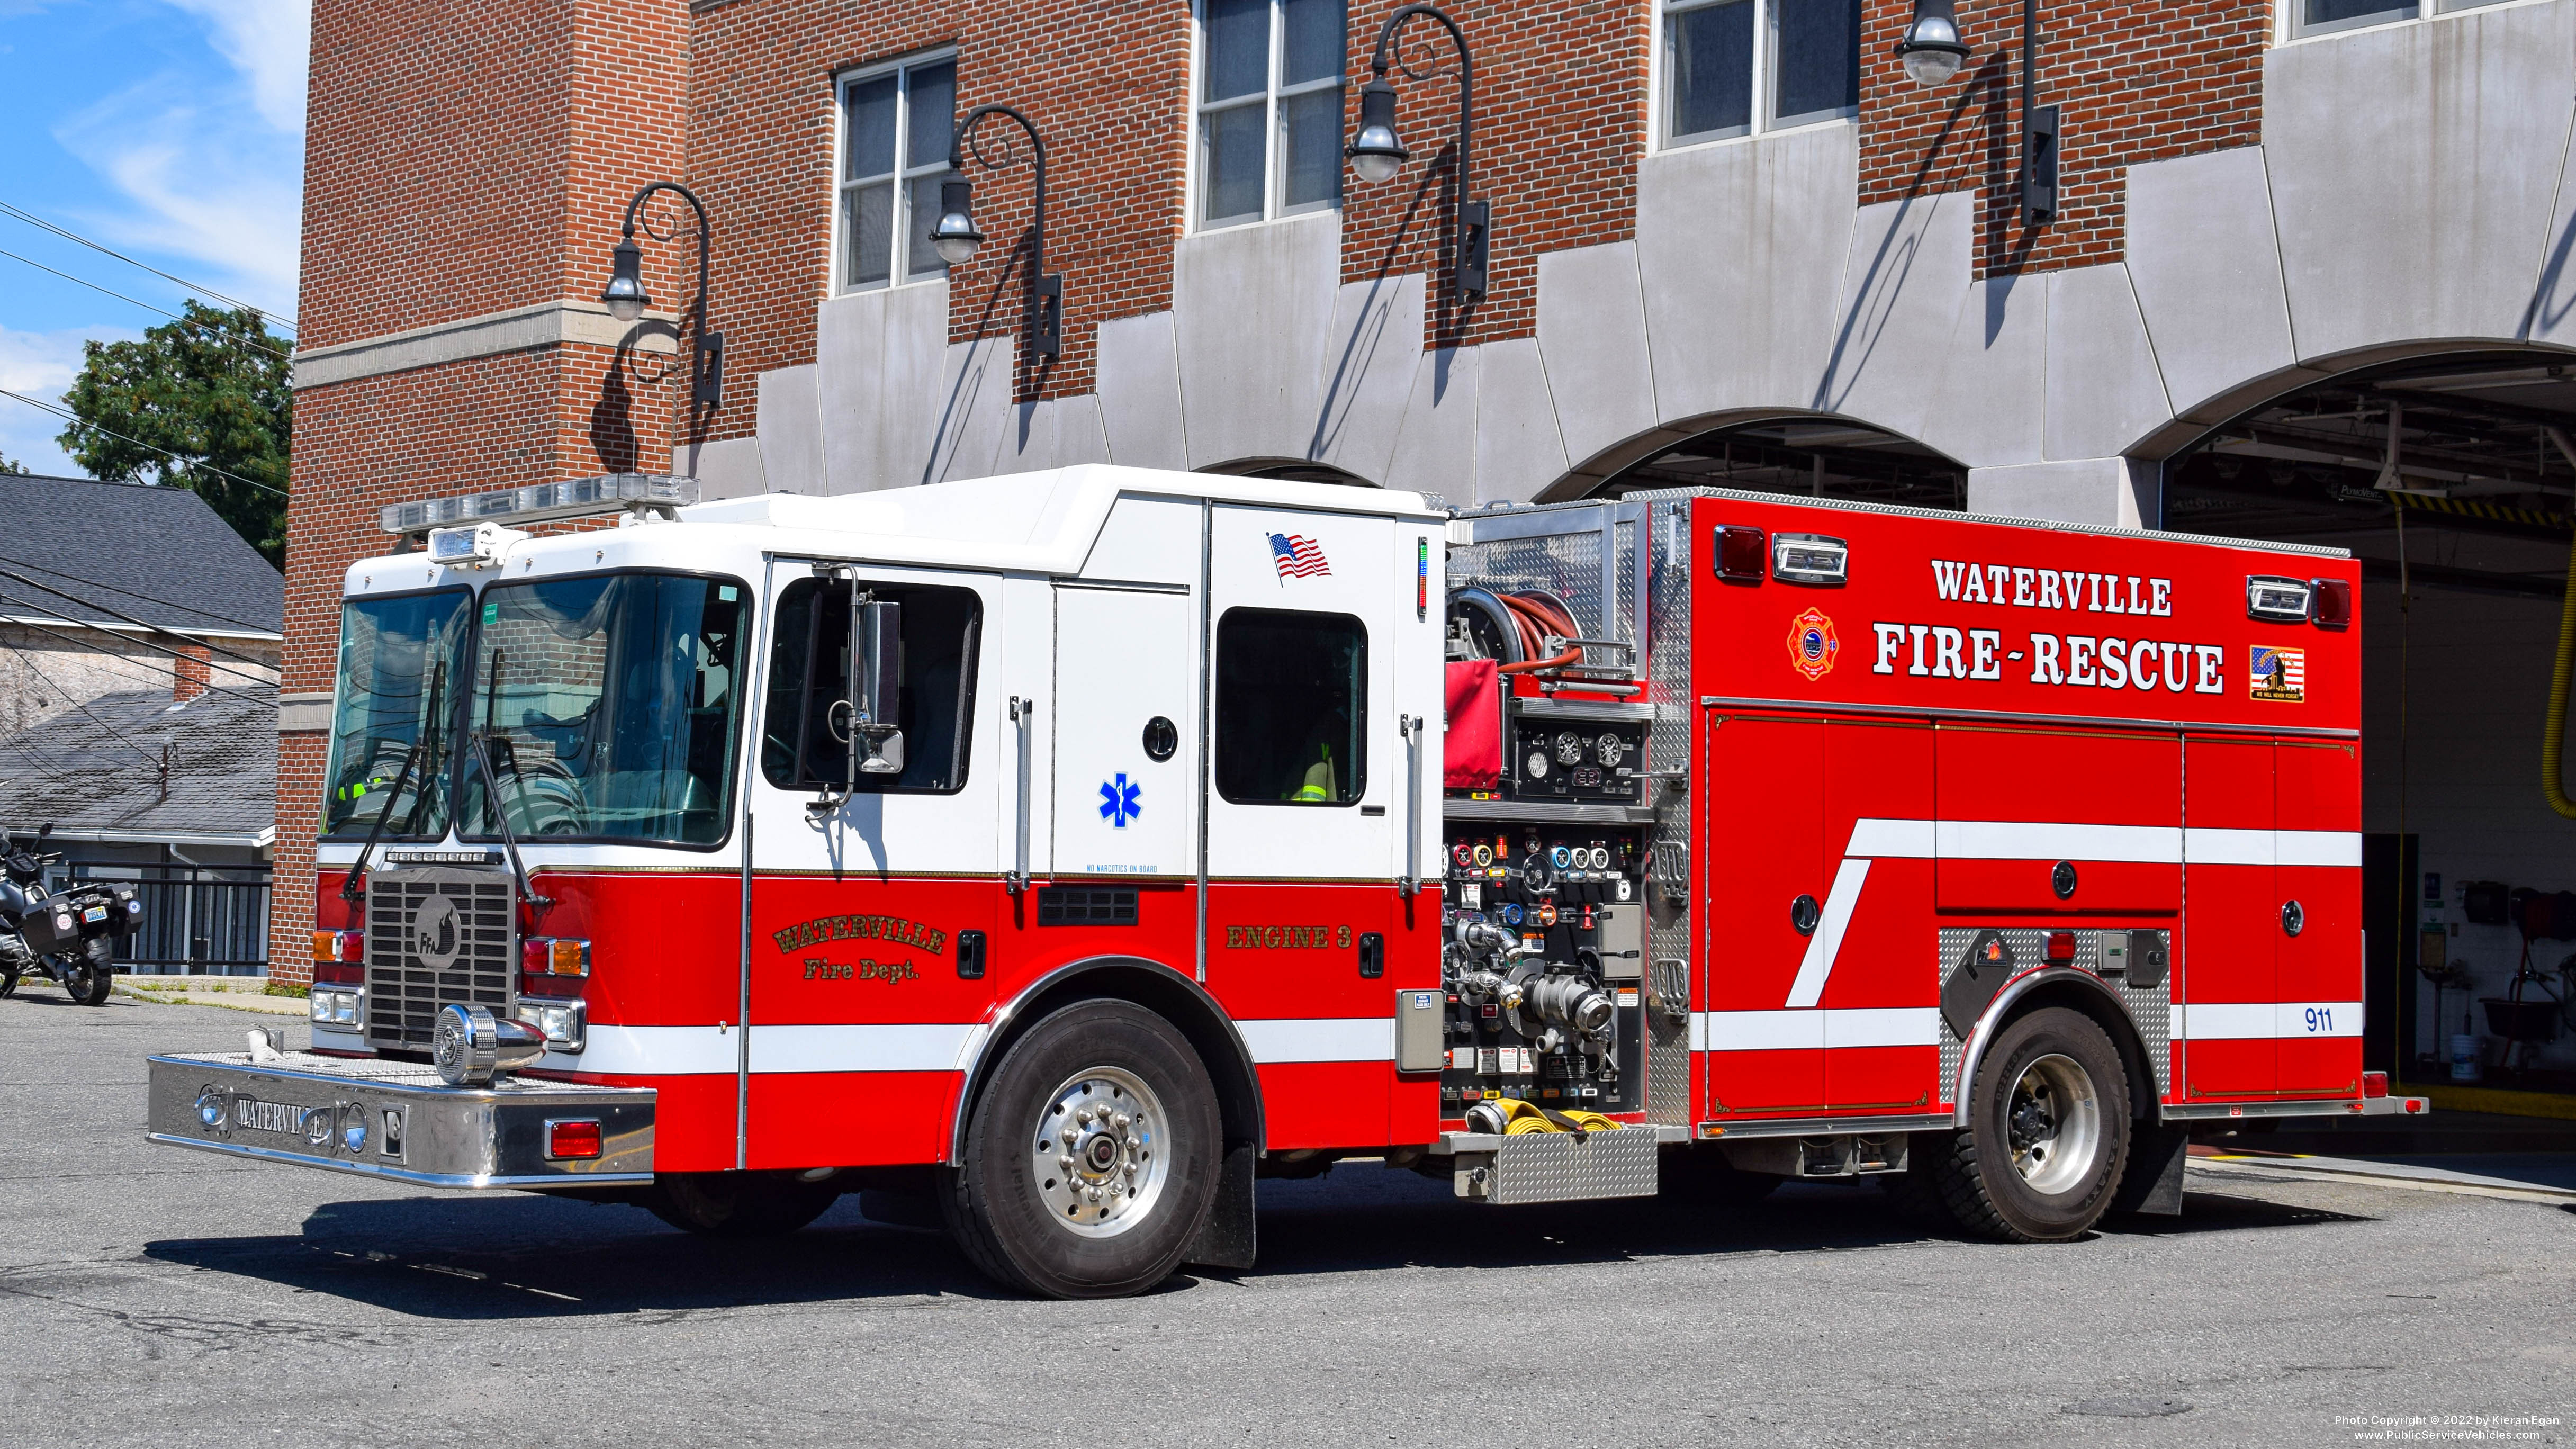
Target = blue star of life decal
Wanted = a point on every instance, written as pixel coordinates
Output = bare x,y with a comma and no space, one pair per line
1118,802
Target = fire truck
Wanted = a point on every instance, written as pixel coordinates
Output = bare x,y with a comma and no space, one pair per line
1059,855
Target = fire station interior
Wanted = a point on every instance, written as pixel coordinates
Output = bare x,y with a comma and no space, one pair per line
2451,477
1803,456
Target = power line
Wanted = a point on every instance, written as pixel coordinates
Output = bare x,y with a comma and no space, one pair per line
155,628
78,705
34,220
92,647
164,311
202,613
75,420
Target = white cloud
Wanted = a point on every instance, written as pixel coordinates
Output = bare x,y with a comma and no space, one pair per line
211,165
269,42
41,365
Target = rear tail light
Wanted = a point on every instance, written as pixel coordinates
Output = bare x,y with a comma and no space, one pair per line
2331,604
554,956
576,1138
2374,1084
1740,555
2061,946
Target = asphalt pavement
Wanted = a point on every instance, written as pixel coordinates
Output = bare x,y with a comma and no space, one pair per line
153,1295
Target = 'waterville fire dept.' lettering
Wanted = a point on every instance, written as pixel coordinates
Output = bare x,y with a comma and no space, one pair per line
860,928
2100,660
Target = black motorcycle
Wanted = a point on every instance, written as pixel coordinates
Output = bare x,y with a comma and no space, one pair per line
70,937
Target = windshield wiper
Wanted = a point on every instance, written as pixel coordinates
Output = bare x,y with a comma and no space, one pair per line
354,884
484,740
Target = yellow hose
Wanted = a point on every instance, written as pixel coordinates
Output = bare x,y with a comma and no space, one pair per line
1524,1117
2553,731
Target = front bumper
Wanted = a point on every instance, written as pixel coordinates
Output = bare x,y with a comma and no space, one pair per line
396,1120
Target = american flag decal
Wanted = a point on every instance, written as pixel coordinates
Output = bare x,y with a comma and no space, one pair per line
2279,675
1297,557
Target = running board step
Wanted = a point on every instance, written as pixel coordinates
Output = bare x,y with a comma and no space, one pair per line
1553,1166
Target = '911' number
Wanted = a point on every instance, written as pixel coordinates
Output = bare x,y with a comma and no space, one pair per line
2320,1018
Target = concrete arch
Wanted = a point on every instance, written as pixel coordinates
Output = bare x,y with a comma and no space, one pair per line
1606,466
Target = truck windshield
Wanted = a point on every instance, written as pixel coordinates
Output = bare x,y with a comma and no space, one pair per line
399,661
608,703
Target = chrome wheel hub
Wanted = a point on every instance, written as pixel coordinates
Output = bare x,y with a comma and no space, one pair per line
1098,1159
2053,1123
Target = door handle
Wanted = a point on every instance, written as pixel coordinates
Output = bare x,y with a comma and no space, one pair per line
1410,726
1372,955
1023,713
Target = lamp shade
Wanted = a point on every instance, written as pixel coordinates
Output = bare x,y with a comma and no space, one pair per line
625,294
955,237
1376,152
1931,48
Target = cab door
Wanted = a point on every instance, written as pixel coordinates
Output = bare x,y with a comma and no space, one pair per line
870,906
1306,789
1126,745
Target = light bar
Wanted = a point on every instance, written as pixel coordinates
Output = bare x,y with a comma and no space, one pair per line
572,498
2282,601
1809,558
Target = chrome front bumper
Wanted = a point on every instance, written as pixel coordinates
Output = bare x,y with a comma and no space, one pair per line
396,1120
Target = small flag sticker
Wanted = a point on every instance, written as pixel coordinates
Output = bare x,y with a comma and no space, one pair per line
2279,675
1297,557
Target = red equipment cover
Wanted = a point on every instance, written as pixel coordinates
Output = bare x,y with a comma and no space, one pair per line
1473,744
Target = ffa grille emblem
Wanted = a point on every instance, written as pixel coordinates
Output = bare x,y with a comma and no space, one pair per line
2279,675
1812,645
434,933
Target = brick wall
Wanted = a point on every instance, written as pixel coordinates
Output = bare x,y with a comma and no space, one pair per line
2134,83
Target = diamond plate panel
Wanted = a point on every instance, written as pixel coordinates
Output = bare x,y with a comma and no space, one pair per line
1560,1167
2150,1012
1567,565
1668,913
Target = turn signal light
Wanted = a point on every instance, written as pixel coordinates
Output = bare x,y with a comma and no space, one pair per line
2374,1084
577,1138
2061,946
554,956
1740,555
2330,603
339,946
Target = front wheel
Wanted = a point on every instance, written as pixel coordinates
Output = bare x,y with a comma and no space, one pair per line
1092,1157
2047,1136
90,979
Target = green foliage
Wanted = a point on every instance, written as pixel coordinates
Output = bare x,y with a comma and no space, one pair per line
210,389
9,466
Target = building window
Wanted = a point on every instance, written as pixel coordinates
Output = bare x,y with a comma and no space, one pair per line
895,127
1291,708
1269,108
2306,18
1736,67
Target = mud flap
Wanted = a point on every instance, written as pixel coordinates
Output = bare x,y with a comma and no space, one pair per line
2153,1181
1227,1239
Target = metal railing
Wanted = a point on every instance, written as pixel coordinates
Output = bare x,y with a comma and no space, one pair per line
196,922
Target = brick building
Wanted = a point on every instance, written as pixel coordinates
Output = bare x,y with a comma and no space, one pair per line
2305,257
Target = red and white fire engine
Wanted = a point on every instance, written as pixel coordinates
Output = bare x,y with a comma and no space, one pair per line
1071,850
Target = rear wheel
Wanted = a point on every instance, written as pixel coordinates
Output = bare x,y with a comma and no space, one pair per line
1091,1159
93,976
2047,1136
737,1204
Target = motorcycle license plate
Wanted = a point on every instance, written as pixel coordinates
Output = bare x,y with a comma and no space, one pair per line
95,913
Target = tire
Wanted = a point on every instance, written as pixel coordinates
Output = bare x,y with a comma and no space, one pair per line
1098,1207
8,983
737,1204
2047,1136
92,979
1703,1175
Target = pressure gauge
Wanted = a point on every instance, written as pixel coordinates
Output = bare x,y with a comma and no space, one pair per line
1537,765
1610,748
1569,748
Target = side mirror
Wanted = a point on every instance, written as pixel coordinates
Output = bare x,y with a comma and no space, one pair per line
876,634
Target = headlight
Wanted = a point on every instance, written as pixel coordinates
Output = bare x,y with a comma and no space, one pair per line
560,1022
335,1008
319,1005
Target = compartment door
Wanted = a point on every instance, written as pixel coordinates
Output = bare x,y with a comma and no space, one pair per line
1882,993
1126,742
2316,804
2225,975
1764,829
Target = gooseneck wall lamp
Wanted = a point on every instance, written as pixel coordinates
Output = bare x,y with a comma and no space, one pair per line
1376,153
957,238
1933,52
627,299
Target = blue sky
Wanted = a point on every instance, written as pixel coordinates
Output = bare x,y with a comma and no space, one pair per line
170,130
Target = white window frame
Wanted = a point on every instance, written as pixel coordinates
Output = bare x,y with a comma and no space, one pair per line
1761,120
2290,29
1274,176
899,274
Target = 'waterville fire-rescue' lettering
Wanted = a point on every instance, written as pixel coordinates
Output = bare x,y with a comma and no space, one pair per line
860,928
1938,651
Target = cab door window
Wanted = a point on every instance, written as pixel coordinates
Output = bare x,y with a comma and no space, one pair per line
1291,708
809,671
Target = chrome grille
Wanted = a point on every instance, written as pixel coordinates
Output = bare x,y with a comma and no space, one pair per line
435,935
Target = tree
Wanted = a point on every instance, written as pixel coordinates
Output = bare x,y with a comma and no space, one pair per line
201,403
10,466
